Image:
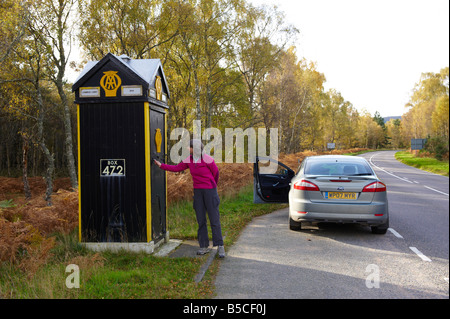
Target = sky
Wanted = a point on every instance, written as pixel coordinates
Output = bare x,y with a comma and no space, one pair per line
372,52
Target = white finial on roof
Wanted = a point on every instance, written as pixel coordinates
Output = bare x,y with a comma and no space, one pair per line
125,58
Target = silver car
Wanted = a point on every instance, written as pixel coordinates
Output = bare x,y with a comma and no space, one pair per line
328,188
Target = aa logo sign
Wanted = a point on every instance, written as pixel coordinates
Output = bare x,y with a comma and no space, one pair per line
110,82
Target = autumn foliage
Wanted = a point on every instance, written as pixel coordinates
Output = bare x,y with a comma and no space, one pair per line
26,228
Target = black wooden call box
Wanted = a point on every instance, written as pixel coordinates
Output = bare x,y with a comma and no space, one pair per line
121,114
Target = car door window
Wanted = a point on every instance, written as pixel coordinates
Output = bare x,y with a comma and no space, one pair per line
272,183
265,167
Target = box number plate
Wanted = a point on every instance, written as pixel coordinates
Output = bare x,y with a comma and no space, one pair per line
112,167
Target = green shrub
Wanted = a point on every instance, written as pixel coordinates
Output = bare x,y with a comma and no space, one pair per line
438,146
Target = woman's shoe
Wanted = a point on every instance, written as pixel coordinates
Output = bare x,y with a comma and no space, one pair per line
203,251
221,252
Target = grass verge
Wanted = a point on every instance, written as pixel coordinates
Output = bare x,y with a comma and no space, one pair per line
131,275
428,164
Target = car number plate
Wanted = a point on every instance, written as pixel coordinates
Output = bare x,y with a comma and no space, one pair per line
340,195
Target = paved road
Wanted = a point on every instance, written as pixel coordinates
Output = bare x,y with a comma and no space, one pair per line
348,261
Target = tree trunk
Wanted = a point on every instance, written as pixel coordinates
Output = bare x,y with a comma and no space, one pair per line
197,91
68,136
61,64
60,60
48,156
194,70
26,185
209,106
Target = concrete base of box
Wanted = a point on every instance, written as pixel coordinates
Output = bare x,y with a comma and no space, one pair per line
148,248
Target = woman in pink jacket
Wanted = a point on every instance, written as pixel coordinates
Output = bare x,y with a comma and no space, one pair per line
205,176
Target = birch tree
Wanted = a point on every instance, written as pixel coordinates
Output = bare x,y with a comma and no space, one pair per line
52,23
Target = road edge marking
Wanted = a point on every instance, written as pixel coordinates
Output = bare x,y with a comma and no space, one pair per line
420,254
436,190
396,234
401,178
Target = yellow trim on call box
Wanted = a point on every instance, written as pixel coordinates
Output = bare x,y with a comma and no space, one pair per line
148,175
79,172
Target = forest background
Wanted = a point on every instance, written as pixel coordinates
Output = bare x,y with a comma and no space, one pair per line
228,64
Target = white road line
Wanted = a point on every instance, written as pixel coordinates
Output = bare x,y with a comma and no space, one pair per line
404,178
419,253
446,279
396,234
436,190
401,178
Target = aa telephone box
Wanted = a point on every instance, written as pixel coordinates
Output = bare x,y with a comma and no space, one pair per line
121,114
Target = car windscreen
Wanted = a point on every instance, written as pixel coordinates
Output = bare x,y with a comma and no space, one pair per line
337,168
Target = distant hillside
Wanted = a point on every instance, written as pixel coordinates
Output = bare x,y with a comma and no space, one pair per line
388,118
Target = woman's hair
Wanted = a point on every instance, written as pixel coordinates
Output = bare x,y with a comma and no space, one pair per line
195,143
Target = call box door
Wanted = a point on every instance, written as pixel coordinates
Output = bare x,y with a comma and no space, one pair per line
158,176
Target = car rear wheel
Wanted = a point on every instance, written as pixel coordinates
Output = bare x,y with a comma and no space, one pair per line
293,225
380,229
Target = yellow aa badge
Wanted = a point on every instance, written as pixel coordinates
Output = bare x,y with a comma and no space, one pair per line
158,87
110,82
158,140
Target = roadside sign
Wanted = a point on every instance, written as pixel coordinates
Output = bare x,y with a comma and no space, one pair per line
418,143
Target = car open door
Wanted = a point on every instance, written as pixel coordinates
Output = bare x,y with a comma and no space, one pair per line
273,186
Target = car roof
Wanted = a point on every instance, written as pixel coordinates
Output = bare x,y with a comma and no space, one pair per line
336,157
